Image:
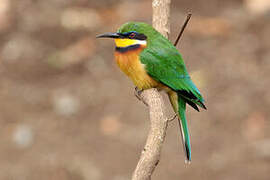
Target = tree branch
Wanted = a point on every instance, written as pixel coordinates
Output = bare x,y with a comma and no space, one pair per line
151,153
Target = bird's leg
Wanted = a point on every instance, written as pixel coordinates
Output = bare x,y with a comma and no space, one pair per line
138,93
172,118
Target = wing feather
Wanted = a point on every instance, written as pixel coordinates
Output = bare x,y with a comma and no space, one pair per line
165,64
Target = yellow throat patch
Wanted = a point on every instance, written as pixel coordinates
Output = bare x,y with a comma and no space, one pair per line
128,42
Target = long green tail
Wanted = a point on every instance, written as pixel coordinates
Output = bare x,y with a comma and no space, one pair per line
184,127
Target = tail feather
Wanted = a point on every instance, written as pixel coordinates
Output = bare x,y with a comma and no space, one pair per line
179,105
184,127
193,105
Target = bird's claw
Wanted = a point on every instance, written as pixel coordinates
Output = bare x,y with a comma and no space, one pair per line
173,118
138,93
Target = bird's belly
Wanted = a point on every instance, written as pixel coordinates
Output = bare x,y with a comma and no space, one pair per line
131,65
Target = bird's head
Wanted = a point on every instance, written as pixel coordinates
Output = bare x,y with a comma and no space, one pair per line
131,33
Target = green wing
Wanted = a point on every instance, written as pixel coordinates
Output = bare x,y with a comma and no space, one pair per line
165,64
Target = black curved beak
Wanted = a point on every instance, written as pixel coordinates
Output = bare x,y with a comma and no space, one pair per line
109,35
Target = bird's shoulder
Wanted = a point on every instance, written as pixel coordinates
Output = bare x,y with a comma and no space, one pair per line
162,55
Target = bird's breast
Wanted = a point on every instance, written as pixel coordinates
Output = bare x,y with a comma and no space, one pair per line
128,60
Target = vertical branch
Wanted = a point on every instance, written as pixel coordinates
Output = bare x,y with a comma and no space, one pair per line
161,14
151,153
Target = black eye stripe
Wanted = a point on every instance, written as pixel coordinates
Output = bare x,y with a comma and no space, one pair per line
133,35
141,37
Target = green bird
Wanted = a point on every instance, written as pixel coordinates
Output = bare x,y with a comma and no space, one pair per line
151,61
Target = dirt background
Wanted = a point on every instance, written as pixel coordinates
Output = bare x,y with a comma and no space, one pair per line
68,113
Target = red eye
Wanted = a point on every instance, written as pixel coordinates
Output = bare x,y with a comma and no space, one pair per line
132,35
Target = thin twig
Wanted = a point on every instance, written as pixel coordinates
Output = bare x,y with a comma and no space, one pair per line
182,29
172,118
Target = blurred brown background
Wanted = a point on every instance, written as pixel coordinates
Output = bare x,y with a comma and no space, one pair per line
68,113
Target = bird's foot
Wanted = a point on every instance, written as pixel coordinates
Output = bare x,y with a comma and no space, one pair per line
172,118
138,93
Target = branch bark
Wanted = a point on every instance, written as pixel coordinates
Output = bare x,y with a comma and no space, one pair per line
151,153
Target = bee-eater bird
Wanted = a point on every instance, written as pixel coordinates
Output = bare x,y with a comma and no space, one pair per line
151,61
